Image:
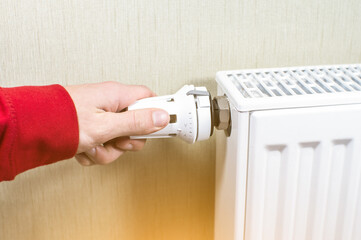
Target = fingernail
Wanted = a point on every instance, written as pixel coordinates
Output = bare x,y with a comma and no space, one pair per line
129,146
160,118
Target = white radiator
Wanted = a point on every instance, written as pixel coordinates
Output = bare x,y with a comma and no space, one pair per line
291,168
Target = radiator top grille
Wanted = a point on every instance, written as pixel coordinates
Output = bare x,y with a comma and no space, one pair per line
273,83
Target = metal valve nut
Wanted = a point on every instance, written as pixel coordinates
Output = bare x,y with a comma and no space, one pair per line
222,117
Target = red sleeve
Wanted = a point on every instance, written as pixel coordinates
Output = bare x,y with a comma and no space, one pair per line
38,126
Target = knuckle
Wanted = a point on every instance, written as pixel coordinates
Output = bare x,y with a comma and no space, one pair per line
112,86
146,90
143,87
106,85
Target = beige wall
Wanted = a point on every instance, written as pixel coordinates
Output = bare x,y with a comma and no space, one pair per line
166,191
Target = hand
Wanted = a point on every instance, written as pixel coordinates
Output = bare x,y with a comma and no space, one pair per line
104,126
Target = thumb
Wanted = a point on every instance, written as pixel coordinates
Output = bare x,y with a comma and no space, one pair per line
135,122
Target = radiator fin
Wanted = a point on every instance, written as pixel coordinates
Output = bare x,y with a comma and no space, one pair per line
307,190
264,83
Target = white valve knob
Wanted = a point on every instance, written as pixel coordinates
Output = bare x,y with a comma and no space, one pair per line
190,111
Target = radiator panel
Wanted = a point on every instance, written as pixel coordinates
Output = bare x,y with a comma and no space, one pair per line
304,174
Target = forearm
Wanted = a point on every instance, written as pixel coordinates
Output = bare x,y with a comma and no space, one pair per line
38,126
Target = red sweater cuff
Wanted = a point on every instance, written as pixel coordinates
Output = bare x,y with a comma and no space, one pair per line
42,128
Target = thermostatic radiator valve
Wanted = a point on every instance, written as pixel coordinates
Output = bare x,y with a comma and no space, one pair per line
193,114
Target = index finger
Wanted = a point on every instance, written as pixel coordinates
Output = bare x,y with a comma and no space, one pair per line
119,96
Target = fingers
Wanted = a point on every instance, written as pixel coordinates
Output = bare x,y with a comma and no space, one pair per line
106,154
118,96
109,152
83,159
132,93
99,155
100,118
127,144
130,123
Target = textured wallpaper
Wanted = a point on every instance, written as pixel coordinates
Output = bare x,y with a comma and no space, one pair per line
165,191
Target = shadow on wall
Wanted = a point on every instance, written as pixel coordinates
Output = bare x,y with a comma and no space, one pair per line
165,188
